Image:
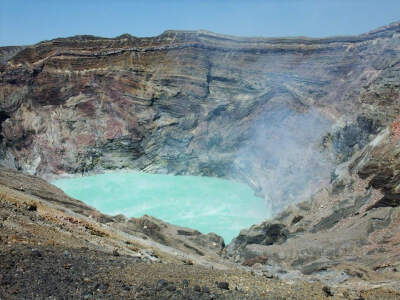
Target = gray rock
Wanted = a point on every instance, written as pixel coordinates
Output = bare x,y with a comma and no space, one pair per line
266,233
36,253
223,285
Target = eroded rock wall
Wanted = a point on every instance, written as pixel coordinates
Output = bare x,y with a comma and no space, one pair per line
190,102
347,231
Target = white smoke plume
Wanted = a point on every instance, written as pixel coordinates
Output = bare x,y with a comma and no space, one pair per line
283,159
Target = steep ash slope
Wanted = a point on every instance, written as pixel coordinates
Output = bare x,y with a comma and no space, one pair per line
194,102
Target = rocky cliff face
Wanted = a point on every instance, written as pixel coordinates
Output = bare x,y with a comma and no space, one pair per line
346,232
194,102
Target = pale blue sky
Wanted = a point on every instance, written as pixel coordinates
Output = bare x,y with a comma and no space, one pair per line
31,21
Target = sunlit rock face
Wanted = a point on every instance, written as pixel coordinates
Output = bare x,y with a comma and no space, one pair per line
194,102
351,223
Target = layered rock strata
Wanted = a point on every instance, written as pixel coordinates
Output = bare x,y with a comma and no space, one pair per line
191,102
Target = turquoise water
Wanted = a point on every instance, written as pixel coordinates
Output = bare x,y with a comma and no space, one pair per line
203,203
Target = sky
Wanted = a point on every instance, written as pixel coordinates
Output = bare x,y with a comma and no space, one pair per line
31,21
